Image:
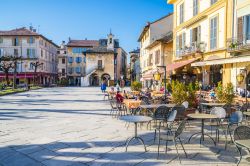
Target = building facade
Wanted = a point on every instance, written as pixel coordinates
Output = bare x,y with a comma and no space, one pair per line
155,49
92,61
62,62
33,48
135,69
207,35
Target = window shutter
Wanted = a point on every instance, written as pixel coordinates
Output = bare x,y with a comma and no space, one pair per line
177,43
199,34
33,53
191,37
184,39
240,29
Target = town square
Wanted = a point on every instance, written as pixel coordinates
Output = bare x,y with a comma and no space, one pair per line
135,82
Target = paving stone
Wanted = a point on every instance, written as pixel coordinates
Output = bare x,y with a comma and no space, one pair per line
43,155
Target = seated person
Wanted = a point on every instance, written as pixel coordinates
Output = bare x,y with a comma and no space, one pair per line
212,94
119,97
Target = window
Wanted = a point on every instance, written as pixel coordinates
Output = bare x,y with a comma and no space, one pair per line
181,14
63,60
1,40
70,70
1,52
195,7
32,67
41,53
157,57
110,41
15,41
16,52
78,70
99,64
31,40
246,27
31,53
63,72
78,50
213,1
195,35
70,59
180,43
213,33
78,59
150,63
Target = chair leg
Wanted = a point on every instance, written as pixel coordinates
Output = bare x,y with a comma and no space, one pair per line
155,136
183,148
159,142
166,151
239,149
177,151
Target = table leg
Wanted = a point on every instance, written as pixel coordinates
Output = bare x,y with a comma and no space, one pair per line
135,137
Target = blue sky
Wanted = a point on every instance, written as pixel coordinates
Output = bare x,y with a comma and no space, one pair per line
80,19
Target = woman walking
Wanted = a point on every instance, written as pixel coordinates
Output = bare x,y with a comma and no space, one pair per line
103,86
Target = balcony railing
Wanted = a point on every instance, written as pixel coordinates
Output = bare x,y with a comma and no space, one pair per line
238,44
100,67
194,48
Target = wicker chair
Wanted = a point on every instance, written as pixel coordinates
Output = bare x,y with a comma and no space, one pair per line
174,138
241,139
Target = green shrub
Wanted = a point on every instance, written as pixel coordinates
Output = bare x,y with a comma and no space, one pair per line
225,94
137,86
63,82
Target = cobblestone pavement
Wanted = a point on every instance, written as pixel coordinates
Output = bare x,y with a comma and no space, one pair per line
72,126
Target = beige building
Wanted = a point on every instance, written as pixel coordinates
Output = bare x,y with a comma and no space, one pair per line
92,61
62,61
155,48
33,48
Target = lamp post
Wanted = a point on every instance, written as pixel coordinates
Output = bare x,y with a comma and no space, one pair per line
157,77
240,77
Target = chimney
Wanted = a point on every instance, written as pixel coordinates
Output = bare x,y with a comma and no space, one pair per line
31,28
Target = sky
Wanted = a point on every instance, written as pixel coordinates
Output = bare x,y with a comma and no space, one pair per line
79,19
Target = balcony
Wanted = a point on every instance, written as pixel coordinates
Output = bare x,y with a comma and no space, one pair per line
193,49
239,44
100,67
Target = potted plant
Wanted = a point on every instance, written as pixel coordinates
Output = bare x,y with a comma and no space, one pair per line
225,94
136,86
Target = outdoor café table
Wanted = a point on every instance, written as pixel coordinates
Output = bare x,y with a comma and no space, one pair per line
246,114
151,106
202,116
135,119
214,104
132,103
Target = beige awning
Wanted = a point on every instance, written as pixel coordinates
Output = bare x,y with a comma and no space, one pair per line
222,61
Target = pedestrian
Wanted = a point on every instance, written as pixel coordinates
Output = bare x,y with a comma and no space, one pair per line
103,86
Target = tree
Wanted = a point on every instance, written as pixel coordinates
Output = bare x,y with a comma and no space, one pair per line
36,64
6,64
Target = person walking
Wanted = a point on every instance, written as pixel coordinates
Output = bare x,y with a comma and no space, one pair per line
103,86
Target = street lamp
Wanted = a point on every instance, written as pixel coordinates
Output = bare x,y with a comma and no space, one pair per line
157,77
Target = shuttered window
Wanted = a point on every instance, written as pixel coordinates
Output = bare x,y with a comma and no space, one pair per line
157,57
213,33
181,14
195,7
240,29
31,53
70,59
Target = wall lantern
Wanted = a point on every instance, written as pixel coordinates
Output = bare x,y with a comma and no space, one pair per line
240,78
157,76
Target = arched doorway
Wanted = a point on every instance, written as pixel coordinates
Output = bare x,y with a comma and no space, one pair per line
215,74
105,77
94,80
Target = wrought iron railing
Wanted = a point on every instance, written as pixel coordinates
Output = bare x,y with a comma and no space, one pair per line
195,47
238,44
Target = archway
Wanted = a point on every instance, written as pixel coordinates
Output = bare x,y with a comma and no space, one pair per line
94,80
105,77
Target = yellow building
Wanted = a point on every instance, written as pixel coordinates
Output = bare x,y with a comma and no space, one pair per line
155,49
201,33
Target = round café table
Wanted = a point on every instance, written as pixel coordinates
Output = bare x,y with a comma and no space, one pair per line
202,117
135,119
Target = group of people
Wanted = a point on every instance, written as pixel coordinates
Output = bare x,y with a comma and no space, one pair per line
118,96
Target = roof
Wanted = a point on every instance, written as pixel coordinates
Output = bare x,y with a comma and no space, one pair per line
171,1
145,29
167,38
136,51
99,50
83,43
24,32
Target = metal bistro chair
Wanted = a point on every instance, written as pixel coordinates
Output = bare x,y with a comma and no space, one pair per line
160,114
220,112
241,139
113,106
234,120
174,138
180,112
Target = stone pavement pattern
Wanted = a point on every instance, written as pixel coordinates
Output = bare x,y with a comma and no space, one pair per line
72,126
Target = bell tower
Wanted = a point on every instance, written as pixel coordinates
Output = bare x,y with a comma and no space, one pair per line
110,44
